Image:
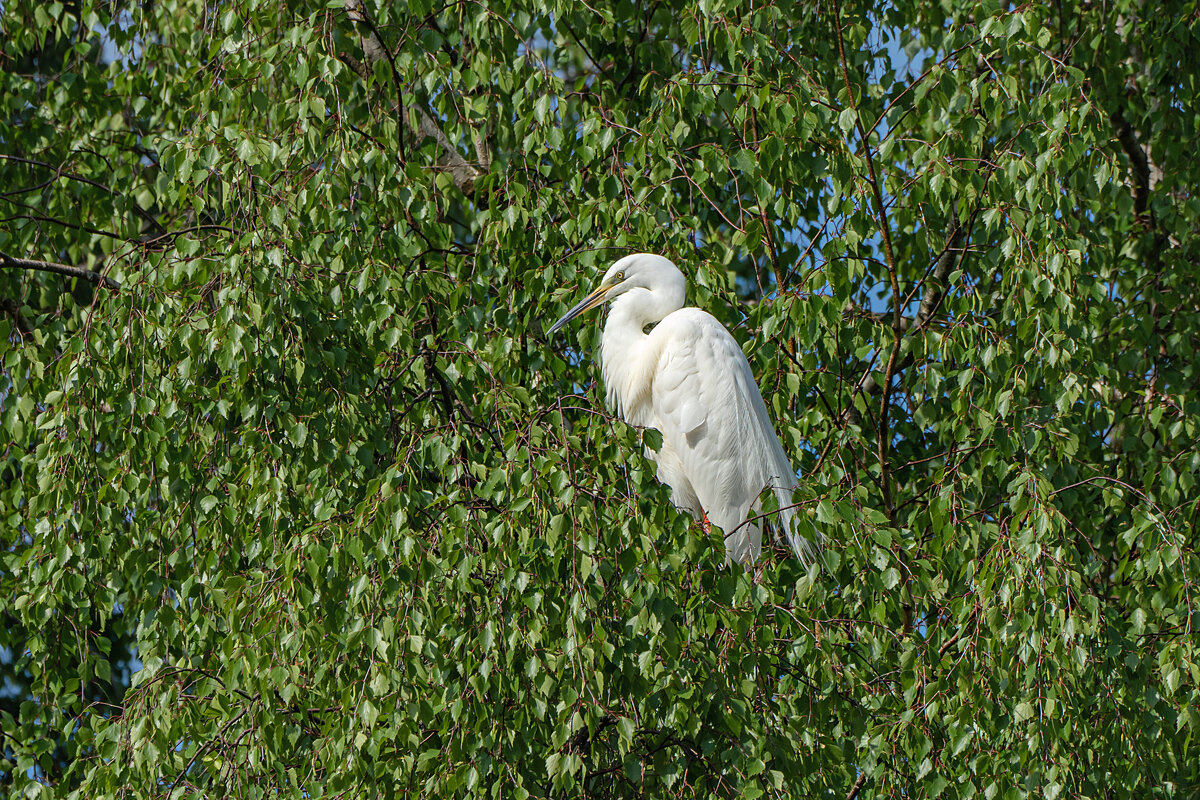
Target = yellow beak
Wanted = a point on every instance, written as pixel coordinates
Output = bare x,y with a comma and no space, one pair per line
586,304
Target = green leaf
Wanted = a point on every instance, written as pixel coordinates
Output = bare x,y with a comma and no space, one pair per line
847,120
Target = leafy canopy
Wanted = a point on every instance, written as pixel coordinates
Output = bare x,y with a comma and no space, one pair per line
298,500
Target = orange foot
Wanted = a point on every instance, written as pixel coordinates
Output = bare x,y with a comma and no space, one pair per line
704,523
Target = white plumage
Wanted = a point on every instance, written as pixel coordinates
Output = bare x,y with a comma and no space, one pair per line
688,379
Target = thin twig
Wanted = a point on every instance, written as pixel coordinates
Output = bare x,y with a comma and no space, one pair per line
60,269
60,172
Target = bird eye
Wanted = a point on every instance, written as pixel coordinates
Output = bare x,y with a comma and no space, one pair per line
620,276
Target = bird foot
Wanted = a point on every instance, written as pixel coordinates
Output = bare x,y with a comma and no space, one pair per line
705,524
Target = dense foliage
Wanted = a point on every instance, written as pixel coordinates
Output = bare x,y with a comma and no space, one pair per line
298,500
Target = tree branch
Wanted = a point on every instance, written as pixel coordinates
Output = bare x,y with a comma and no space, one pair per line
360,69
372,45
886,232
60,172
462,172
1146,174
951,257
60,269
582,740
768,231
858,784
13,309
1137,158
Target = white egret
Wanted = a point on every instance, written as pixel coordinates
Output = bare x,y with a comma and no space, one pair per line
688,379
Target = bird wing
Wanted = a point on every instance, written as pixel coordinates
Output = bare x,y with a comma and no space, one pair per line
716,429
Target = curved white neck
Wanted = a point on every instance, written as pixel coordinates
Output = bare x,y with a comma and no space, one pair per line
625,359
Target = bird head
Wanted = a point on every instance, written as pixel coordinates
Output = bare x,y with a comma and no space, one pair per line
638,271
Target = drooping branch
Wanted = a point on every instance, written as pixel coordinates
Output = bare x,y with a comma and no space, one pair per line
61,172
462,172
60,269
